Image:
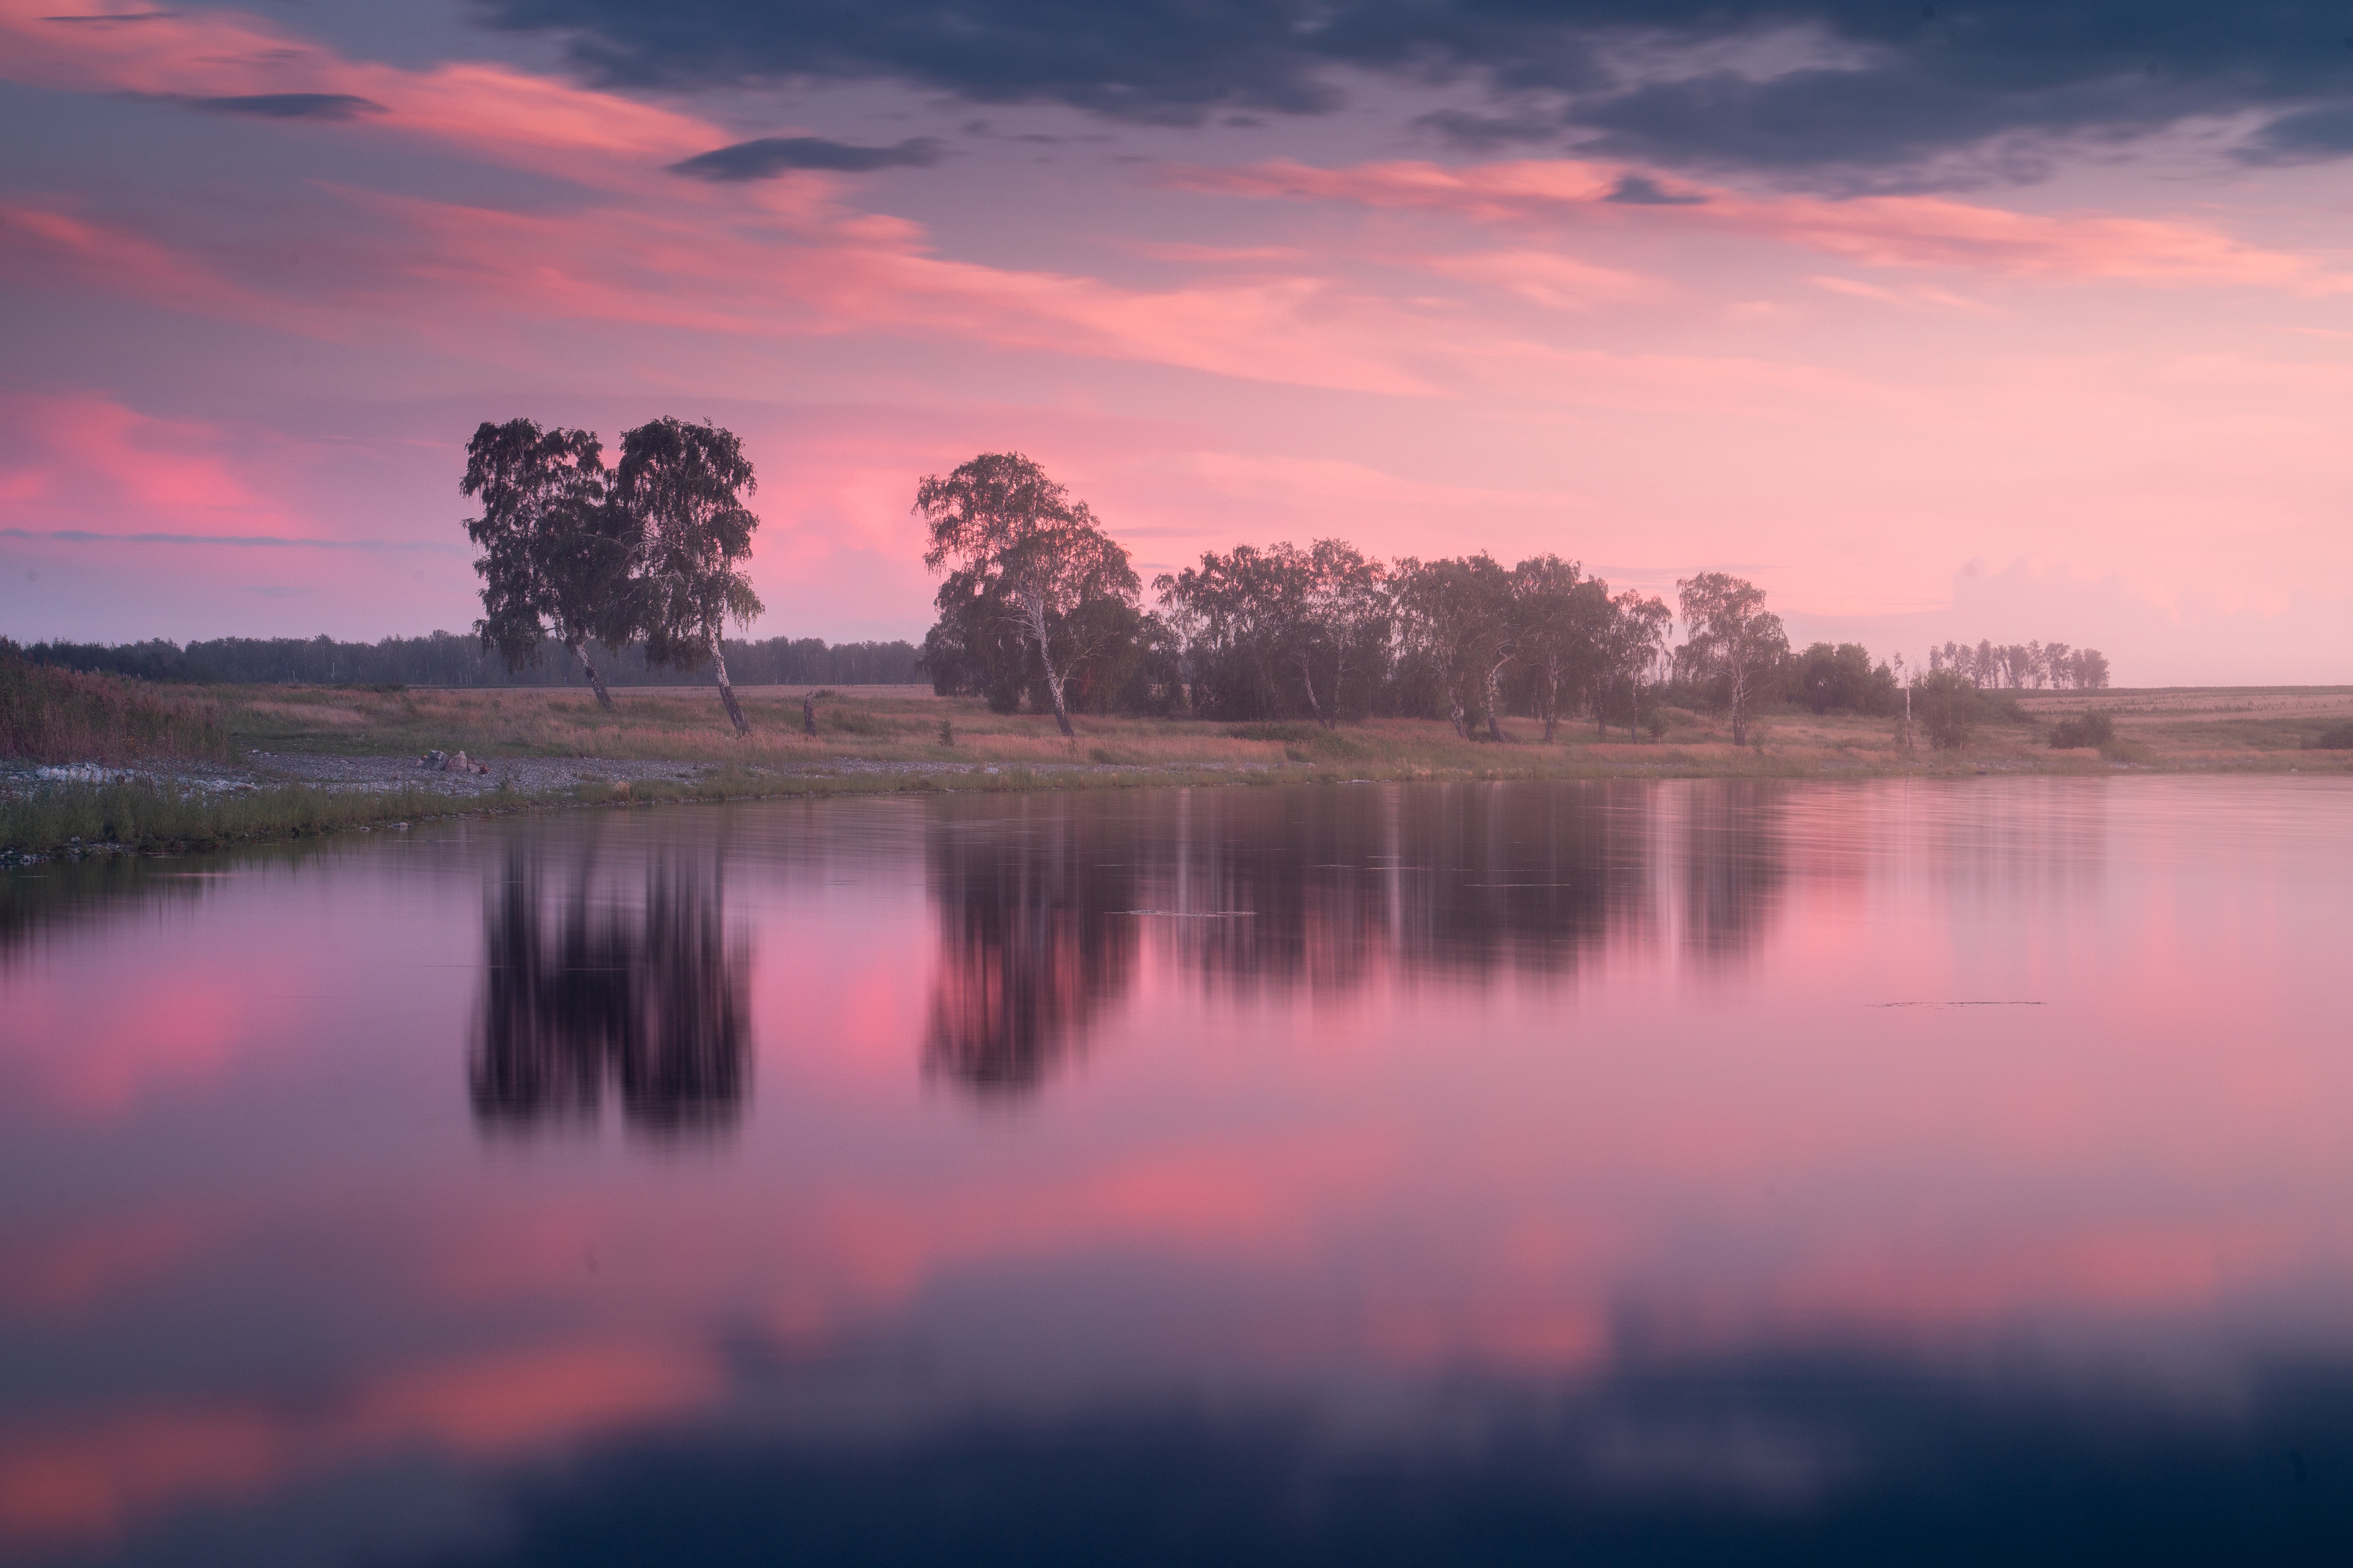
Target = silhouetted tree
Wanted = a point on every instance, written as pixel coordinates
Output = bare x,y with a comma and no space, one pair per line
683,485
1023,544
556,554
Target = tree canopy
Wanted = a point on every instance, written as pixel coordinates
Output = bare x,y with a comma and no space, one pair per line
1018,550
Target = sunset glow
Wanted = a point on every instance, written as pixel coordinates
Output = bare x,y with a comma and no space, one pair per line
266,272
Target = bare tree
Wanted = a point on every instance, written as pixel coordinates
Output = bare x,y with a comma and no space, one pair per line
1731,633
999,520
555,552
684,484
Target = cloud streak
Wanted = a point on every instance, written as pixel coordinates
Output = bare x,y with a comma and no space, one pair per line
770,156
1911,231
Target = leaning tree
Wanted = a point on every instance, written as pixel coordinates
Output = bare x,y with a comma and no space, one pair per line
556,552
1011,537
683,485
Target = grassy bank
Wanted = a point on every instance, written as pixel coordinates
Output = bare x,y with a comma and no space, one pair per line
56,716
874,739
2238,728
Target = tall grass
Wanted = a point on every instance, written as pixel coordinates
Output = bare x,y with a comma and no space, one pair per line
149,815
57,716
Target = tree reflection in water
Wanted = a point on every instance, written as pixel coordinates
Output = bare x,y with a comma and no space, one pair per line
1044,903
1036,935
587,985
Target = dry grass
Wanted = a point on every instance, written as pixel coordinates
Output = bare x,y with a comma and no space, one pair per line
56,716
886,725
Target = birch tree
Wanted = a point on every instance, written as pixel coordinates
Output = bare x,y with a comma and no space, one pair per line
556,553
1732,634
684,486
1020,539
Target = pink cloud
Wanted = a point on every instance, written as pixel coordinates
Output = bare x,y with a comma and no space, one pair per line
1921,232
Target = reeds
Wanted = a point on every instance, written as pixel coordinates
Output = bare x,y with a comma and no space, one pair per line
57,716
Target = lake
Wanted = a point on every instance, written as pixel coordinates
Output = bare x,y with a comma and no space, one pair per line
1918,1171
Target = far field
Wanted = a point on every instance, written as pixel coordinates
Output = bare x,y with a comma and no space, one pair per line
2233,727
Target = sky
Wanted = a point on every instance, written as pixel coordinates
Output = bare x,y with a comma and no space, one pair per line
2016,319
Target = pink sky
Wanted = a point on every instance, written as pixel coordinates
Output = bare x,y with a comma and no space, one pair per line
2100,405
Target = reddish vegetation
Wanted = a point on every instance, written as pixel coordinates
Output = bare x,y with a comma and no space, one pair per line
56,716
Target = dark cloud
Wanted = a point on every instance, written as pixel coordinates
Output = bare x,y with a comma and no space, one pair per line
1887,85
292,105
772,155
1641,191
2303,137
1485,133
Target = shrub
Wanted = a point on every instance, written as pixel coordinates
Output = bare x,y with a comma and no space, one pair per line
2340,739
1949,708
843,722
2079,729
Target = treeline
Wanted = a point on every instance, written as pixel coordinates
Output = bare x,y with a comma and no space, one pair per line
2021,664
1041,604
1041,607
443,658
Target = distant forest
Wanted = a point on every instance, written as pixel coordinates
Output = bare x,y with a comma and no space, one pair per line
448,658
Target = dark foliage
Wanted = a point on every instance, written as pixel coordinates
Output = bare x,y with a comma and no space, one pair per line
2079,729
443,658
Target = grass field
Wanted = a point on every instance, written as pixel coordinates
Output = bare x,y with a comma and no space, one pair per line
892,738
2230,728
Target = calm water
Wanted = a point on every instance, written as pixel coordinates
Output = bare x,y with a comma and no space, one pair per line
1644,1172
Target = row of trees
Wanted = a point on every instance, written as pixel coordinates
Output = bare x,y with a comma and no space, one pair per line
2021,665
1038,601
448,658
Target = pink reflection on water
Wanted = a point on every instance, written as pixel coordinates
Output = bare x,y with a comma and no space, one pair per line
1483,1079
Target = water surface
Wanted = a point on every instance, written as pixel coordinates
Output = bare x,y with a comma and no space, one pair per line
1502,1172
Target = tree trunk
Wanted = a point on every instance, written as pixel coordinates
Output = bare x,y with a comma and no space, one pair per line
1739,717
809,714
1454,711
1552,699
1061,712
1633,707
1307,679
1035,614
1494,678
580,652
727,692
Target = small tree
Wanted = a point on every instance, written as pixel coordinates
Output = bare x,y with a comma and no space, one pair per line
1023,543
556,553
1634,643
1734,635
684,484
1950,708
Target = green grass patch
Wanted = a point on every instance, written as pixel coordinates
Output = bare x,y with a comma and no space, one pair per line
143,817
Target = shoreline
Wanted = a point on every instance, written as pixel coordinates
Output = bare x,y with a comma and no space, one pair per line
163,810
